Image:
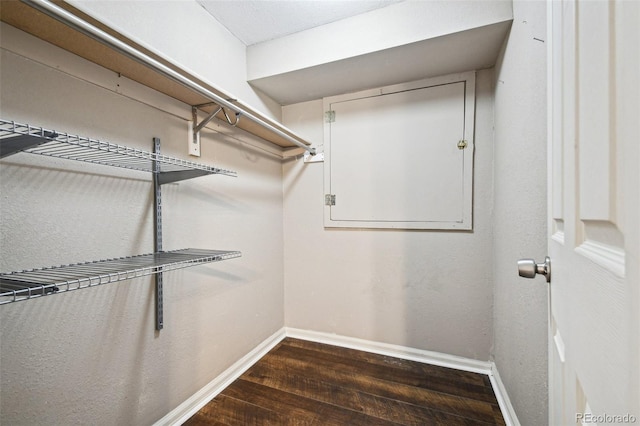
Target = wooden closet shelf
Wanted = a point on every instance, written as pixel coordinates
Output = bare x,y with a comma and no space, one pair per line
29,19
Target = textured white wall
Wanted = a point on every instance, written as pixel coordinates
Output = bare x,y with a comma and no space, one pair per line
423,289
519,220
93,356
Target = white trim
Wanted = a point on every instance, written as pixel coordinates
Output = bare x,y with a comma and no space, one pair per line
504,402
188,408
396,351
609,257
191,406
557,339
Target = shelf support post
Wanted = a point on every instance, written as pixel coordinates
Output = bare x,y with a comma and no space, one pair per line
157,238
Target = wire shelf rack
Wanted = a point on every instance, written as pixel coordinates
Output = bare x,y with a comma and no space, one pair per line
17,137
23,285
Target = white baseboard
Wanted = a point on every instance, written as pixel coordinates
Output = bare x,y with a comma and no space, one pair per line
184,411
506,408
396,351
191,406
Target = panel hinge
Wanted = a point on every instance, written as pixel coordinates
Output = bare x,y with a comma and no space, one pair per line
329,116
329,200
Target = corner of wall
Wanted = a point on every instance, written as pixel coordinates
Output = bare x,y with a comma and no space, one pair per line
508,412
520,309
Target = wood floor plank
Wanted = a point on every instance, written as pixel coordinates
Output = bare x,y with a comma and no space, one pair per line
196,420
201,420
376,406
453,404
449,386
303,383
299,410
224,410
392,362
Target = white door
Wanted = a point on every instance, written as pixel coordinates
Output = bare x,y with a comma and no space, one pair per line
594,192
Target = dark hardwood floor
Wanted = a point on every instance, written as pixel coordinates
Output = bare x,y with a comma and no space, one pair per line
305,383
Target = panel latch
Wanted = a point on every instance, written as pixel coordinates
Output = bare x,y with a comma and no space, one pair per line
462,144
329,200
329,116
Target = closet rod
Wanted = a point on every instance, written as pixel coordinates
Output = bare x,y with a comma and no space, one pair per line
86,28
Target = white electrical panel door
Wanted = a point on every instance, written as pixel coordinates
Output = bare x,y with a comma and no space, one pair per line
401,156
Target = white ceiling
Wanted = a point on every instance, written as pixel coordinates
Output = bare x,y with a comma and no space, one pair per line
253,21
355,45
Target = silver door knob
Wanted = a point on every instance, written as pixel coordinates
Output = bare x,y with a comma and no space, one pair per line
528,268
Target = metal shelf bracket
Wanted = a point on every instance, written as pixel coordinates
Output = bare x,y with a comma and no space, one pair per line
19,143
195,127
